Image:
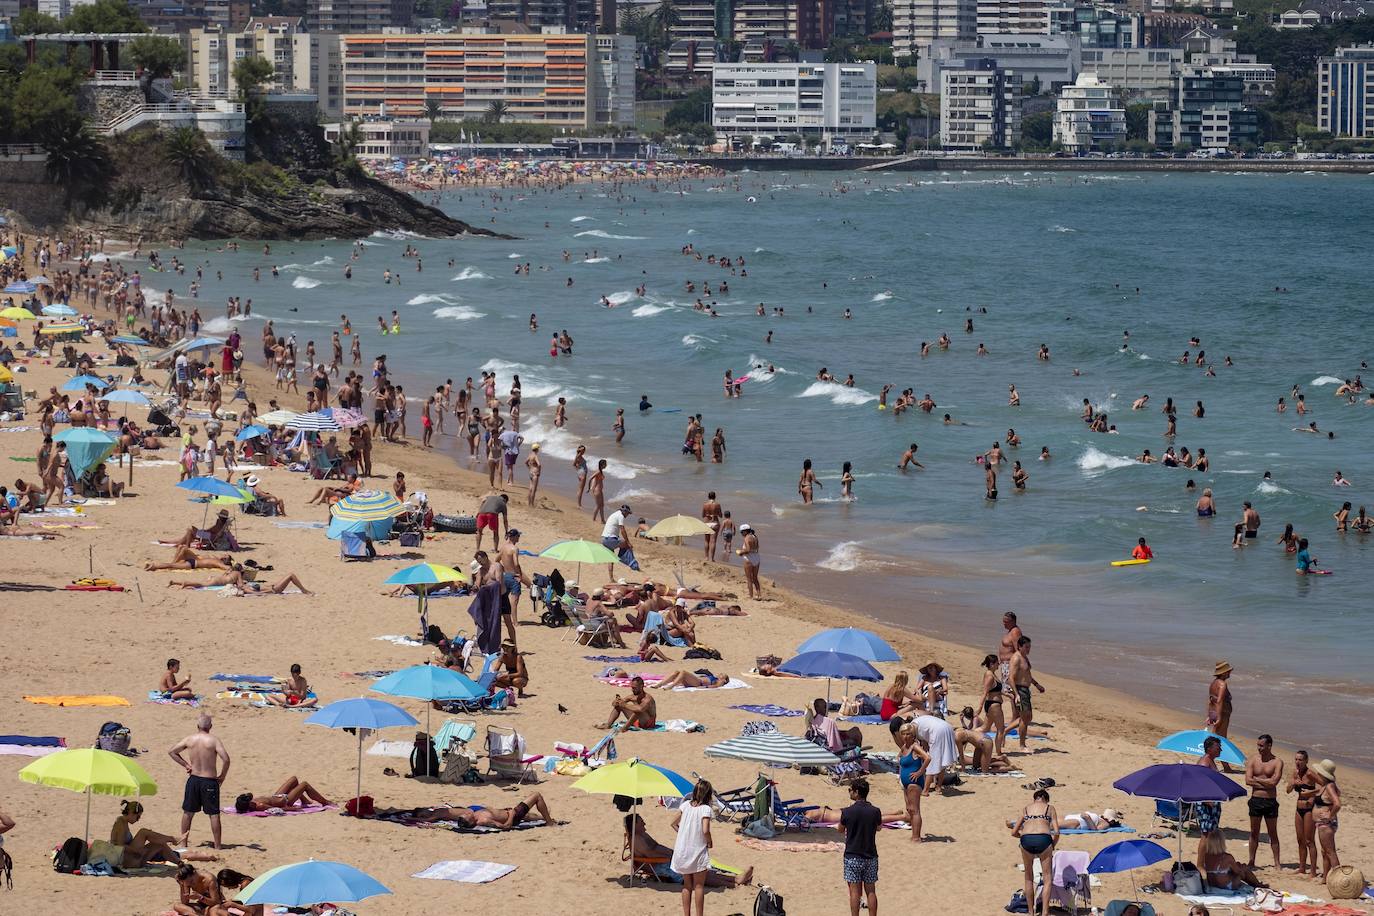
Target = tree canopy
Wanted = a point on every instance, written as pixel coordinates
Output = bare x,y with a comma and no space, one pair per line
104,16
157,54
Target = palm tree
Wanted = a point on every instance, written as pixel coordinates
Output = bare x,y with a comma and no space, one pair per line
665,19
188,150
346,146
77,161
496,112
433,109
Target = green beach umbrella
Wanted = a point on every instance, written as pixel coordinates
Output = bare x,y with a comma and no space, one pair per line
579,552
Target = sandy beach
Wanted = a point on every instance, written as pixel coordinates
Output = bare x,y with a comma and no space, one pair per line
60,642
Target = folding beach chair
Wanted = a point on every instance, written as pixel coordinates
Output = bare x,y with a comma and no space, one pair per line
594,634
1169,814
1070,884
655,626
603,750
790,813
643,866
506,758
1116,907
737,805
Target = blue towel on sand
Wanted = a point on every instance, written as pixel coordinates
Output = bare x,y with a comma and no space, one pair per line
1122,829
245,678
613,659
30,741
770,709
863,720
1013,734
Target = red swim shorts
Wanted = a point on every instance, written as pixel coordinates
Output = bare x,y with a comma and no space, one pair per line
487,520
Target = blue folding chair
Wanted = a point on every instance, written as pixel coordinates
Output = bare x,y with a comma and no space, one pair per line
654,625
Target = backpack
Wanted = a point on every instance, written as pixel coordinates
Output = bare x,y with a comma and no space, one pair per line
70,856
434,635
423,760
701,651
768,903
113,736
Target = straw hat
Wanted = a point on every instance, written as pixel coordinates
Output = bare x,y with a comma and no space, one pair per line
1325,769
1223,668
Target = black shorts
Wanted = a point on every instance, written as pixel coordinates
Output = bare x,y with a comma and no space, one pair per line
1264,807
202,794
379,415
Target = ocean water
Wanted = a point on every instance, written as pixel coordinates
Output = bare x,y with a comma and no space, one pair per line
1066,260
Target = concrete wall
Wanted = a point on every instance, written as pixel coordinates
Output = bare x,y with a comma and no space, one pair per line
103,104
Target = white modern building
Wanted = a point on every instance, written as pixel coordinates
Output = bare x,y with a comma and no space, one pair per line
60,9
980,108
827,101
1345,92
1089,115
1044,62
917,23
1138,73
386,138
613,79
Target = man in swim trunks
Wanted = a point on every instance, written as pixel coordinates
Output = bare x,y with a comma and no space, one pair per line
203,778
1251,520
1022,681
1263,773
491,514
639,709
1006,649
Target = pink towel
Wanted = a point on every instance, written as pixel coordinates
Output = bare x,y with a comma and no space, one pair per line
1069,868
625,681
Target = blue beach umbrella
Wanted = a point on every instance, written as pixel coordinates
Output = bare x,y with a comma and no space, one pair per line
378,529
1190,742
361,713
86,447
1127,856
251,432
58,310
211,486
305,884
129,339
429,682
126,396
830,664
851,641
21,286
203,343
80,382
1179,783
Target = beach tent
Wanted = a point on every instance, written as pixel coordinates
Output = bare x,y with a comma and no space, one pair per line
86,447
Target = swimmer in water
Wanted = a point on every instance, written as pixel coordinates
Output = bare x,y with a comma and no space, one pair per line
909,457
807,483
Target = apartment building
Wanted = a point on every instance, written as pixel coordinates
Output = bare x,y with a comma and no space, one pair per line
613,79
980,107
350,16
547,78
917,23
1207,111
1147,74
1345,92
1089,115
826,101
386,138
1027,17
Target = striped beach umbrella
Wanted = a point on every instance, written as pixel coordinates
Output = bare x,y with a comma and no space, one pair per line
63,327
132,340
276,417
774,748
58,310
422,576
21,286
316,422
367,506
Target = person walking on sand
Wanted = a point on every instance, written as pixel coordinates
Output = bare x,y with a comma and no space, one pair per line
203,777
859,823
711,515
692,848
1022,680
1263,773
749,550
1219,700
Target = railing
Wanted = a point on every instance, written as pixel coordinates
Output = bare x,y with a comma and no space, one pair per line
115,77
138,114
18,150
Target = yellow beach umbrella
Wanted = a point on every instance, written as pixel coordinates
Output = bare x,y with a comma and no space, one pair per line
92,771
17,313
636,779
679,526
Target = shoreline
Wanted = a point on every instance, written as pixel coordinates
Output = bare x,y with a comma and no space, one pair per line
1045,164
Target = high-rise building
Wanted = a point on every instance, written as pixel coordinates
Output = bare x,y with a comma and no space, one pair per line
916,23
548,78
1208,111
1089,115
980,107
820,100
357,16
1345,92
1023,17
697,20
212,52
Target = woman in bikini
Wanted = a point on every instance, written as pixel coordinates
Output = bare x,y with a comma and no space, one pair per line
1289,539
186,558
993,713
579,464
1220,868
1326,806
701,678
1037,830
288,796
142,846
231,881
1300,782
807,483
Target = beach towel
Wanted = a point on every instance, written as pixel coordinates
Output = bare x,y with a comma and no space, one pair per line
407,821
297,523
466,871
391,749
1330,909
1122,829
485,612
864,720
92,700
26,750
1013,734
672,725
371,675
786,846
33,741
281,812
400,640
732,684
770,709
246,678
1218,897
625,681
975,774
614,659
155,696
463,731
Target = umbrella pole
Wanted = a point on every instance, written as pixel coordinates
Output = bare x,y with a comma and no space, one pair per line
359,794
429,735
88,815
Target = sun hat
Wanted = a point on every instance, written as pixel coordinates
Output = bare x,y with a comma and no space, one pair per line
1222,668
598,593
1111,814
252,480
224,513
570,583
622,581
535,447
746,527
1326,769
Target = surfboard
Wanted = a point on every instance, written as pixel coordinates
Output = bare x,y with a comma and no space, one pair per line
1129,562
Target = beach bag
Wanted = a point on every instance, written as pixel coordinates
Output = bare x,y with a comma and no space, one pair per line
458,762
1187,880
758,727
411,538
701,651
759,829
768,903
70,856
360,807
113,737
423,760
1345,882
1017,903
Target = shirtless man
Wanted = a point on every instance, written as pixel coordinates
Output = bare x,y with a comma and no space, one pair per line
639,709
1022,680
1263,773
203,777
1013,396
294,692
711,515
1006,649
1251,518
909,457
652,601
172,688
513,579
1219,700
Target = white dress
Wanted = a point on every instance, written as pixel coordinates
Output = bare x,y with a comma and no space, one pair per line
690,854
938,737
